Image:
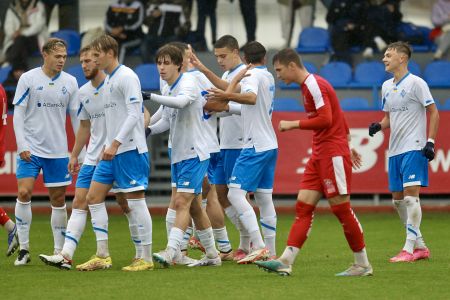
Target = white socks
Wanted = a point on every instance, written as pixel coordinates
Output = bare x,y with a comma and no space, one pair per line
174,241
289,255
75,228
186,237
132,224
59,223
361,258
222,240
207,239
99,219
140,213
170,220
268,220
414,212
23,222
233,215
401,207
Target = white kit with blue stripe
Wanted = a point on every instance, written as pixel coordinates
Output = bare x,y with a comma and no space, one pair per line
406,103
231,134
122,87
91,108
257,119
47,101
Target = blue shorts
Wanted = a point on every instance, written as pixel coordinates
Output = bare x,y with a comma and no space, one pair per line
189,175
407,169
254,171
54,170
214,161
127,172
225,165
85,176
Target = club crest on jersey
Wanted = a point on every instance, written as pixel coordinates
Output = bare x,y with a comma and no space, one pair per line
64,90
329,186
111,88
403,93
87,101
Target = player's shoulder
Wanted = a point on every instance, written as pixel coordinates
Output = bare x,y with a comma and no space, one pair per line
86,88
414,79
32,74
67,77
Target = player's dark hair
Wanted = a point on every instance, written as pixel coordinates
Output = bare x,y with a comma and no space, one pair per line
287,56
52,44
172,52
180,45
401,47
227,41
104,43
254,52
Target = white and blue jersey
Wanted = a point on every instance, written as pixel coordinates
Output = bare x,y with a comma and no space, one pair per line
255,167
406,102
47,101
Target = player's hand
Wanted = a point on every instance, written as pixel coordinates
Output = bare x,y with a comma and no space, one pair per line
146,95
73,165
215,106
2,163
110,151
148,131
356,159
242,74
287,125
197,63
215,94
374,128
428,151
25,155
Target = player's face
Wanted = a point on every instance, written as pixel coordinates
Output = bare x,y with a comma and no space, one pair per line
56,59
226,58
102,60
89,64
392,60
167,70
283,72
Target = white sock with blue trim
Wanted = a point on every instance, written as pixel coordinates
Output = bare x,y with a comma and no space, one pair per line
59,223
132,224
222,240
144,225
268,220
23,221
99,219
413,222
75,228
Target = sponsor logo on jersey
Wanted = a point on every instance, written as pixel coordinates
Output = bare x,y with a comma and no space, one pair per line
50,105
412,176
329,186
110,105
40,88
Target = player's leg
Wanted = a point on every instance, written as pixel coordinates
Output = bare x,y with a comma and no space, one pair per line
300,229
10,227
26,174
121,199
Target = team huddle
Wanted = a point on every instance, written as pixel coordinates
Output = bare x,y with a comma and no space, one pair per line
211,174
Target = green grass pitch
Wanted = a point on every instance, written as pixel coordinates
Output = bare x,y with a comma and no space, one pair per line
324,254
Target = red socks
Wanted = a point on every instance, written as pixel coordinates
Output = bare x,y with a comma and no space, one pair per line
3,217
304,214
352,229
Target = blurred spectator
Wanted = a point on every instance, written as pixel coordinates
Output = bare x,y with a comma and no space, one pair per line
68,13
248,11
440,16
305,9
346,19
4,4
11,81
167,22
382,21
124,20
25,30
206,8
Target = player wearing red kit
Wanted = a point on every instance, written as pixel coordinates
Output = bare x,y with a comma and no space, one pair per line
5,221
328,172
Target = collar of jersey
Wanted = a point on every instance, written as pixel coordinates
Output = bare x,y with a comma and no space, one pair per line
192,70
176,82
114,71
100,85
234,69
261,67
403,78
54,77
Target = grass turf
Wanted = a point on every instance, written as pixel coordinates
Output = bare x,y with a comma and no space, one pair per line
324,254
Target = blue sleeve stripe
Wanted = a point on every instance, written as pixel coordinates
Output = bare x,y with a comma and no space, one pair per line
23,96
79,109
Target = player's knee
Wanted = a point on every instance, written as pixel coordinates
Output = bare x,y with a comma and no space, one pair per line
180,203
24,195
303,209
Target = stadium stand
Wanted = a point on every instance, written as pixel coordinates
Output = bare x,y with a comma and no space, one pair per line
72,39
4,73
355,104
437,74
339,74
368,74
149,76
287,104
77,72
313,40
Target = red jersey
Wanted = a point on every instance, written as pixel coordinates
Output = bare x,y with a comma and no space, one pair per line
3,112
325,118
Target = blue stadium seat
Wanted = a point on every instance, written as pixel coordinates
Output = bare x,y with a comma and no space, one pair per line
446,105
77,72
293,86
355,104
437,74
339,74
313,40
4,72
149,76
287,104
414,68
368,74
72,38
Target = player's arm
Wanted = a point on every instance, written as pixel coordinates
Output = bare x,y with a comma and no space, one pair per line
147,117
428,150
157,115
21,98
81,139
215,80
354,154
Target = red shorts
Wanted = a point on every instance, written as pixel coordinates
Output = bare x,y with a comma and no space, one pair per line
331,176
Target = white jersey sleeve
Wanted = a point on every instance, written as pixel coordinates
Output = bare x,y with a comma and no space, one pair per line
422,92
